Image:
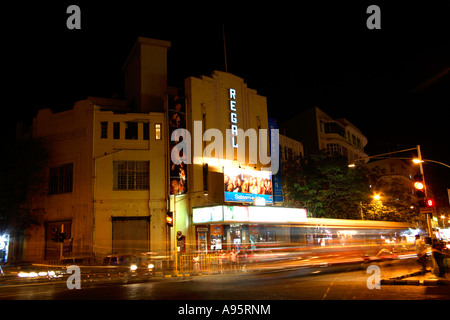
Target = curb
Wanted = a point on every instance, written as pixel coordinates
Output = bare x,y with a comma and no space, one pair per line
401,280
415,282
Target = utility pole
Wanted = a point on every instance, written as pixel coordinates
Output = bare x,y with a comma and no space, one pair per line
429,214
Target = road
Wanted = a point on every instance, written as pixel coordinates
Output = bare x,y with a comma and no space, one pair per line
320,283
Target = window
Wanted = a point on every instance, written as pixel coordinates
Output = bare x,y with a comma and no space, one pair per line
333,127
146,130
131,175
333,148
116,129
131,130
60,179
158,131
104,130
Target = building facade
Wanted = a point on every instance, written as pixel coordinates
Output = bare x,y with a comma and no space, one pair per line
227,179
104,174
316,130
290,148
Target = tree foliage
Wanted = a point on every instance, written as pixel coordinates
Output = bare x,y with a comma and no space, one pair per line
328,188
21,175
397,203
325,186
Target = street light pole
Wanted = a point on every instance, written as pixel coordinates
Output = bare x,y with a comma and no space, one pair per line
429,215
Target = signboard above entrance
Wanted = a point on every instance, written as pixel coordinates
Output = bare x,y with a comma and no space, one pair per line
248,214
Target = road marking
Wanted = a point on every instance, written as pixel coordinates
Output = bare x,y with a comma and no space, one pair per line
332,282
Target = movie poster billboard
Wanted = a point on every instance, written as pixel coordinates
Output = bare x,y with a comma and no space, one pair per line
244,185
276,178
177,120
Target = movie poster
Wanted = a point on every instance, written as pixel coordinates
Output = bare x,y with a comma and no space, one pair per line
177,120
243,185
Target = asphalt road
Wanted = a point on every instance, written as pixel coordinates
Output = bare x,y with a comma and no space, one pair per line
321,283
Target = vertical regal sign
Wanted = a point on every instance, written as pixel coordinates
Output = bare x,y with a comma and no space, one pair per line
177,120
233,117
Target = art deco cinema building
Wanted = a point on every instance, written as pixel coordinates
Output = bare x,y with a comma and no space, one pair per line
115,175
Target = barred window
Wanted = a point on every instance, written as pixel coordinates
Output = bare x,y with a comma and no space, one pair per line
333,148
131,175
60,179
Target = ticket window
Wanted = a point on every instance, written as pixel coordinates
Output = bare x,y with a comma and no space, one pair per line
216,238
202,239
235,238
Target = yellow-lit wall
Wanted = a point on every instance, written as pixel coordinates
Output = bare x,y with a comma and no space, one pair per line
74,136
110,203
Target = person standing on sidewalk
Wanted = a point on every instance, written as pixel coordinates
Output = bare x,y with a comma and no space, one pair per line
421,253
233,260
438,255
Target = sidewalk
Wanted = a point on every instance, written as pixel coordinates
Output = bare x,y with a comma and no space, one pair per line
412,275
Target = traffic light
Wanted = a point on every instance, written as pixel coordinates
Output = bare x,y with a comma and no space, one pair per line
419,186
430,203
55,234
62,237
169,218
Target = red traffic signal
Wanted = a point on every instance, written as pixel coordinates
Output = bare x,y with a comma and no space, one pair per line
169,218
430,203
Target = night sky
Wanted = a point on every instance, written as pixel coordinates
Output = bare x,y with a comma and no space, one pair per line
393,83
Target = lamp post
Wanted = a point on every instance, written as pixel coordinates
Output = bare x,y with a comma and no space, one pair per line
429,215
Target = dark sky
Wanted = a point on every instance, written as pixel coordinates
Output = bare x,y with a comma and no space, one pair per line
391,83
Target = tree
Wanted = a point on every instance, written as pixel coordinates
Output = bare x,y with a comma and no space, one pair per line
22,175
397,203
325,186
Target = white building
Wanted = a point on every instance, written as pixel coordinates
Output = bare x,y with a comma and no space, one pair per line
316,130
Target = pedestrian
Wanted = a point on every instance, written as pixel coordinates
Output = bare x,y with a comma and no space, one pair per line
233,259
438,255
196,260
421,251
